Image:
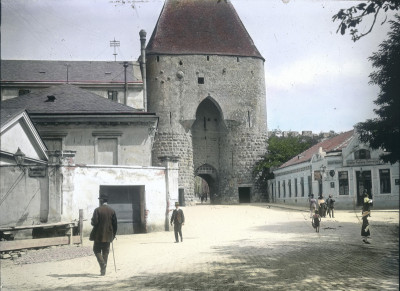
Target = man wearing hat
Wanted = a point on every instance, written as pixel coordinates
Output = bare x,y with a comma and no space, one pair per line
178,219
104,223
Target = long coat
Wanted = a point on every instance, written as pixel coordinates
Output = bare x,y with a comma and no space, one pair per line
178,217
104,221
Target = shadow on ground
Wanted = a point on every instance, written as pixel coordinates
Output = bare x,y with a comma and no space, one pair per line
304,264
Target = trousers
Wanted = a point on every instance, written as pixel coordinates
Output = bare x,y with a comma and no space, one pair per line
178,230
101,251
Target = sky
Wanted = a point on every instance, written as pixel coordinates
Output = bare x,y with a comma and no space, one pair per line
316,79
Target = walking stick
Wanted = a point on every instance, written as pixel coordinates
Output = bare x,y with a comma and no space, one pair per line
115,267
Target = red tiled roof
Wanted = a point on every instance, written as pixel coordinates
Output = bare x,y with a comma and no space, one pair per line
201,27
333,144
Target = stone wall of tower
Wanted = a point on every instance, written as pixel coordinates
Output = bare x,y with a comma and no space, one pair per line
177,84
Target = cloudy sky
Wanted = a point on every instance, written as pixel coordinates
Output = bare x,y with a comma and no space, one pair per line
316,79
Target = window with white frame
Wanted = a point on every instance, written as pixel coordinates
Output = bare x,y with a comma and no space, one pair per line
384,180
310,192
362,154
343,183
279,189
107,151
302,186
284,189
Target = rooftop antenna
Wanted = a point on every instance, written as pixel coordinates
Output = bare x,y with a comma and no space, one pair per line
114,43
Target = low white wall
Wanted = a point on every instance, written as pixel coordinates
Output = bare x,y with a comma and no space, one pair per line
81,184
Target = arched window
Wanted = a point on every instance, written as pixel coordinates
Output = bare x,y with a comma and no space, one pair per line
362,154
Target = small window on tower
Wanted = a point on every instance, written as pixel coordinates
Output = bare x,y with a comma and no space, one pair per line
208,58
200,80
158,59
113,95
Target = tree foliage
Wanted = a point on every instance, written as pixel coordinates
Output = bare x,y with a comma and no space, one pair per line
384,131
280,150
350,18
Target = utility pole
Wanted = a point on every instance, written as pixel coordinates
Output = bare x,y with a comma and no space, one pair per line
67,65
114,43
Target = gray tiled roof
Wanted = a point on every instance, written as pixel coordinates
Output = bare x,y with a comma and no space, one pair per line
7,114
56,71
69,99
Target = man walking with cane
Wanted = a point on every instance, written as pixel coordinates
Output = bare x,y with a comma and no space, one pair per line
104,221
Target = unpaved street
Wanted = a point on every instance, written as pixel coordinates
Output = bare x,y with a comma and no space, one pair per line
241,247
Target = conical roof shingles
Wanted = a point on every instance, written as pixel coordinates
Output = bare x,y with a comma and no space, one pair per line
201,27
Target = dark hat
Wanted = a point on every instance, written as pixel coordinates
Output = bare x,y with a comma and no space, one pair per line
103,196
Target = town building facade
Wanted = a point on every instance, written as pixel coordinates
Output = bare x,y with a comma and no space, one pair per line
341,166
75,145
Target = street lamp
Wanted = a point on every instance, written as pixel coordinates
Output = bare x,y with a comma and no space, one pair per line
19,157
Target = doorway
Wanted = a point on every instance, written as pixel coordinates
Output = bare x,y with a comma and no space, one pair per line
181,198
364,183
129,205
244,194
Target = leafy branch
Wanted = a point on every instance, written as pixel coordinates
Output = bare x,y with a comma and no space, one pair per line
351,18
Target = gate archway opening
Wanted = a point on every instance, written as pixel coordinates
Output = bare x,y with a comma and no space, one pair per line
208,181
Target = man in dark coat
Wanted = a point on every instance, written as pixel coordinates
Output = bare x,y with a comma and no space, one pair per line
178,219
104,221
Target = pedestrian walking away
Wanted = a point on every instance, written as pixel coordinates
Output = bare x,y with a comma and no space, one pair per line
330,204
178,219
365,231
316,219
313,205
104,221
321,206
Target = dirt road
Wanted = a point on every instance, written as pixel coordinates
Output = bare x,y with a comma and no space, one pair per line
241,247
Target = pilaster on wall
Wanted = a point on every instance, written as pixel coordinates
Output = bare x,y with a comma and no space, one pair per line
58,160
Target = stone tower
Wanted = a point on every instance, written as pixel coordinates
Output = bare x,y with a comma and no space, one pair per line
205,81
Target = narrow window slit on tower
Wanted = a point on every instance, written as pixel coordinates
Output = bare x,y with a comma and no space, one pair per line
200,80
237,59
180,63
248,118
170,118
208,58
158,59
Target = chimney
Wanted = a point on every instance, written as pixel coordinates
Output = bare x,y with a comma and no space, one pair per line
142,34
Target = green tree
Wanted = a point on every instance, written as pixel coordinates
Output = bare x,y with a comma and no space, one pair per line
384,131
280,150
351,17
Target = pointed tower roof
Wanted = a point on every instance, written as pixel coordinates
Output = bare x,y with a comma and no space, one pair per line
201,27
